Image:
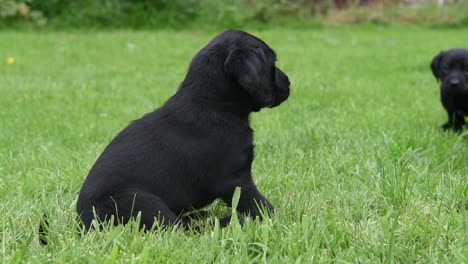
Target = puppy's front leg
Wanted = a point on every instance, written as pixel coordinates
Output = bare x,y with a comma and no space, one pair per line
251,201
449,122
458,120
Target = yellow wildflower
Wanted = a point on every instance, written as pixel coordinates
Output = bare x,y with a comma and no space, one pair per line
10,60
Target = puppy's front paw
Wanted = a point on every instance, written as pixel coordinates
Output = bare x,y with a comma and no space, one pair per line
458,129
196,216
225,221
446,126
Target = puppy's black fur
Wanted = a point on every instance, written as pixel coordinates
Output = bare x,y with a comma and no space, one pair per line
451,68
194,149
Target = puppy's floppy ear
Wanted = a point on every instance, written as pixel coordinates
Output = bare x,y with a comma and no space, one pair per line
248,68
435,64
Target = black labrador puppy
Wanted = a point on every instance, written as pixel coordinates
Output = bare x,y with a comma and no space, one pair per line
194,149
451,68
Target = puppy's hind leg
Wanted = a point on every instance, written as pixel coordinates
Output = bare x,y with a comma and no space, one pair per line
125,205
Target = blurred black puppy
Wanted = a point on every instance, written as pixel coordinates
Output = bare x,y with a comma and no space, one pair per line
451,68
194,149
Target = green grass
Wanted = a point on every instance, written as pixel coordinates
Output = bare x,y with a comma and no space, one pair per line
354,161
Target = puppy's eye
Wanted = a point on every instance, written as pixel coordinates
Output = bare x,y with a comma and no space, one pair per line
444,69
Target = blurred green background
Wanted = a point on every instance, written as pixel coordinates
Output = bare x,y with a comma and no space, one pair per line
216,14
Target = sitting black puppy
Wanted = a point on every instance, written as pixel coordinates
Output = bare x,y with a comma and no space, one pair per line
194,149
451,68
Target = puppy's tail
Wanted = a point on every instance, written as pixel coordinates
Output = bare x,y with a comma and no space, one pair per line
43,230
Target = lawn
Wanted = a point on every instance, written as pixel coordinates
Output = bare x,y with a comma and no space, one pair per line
354,161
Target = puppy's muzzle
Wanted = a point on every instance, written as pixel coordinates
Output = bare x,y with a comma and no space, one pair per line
455,83
282,88
455,86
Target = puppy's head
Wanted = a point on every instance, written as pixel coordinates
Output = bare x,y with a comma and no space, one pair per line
250,63
238,66
451,68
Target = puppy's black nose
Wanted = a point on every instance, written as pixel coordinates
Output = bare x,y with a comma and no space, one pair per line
454,82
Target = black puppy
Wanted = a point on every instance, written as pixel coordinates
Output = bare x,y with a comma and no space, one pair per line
194,149
451,68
